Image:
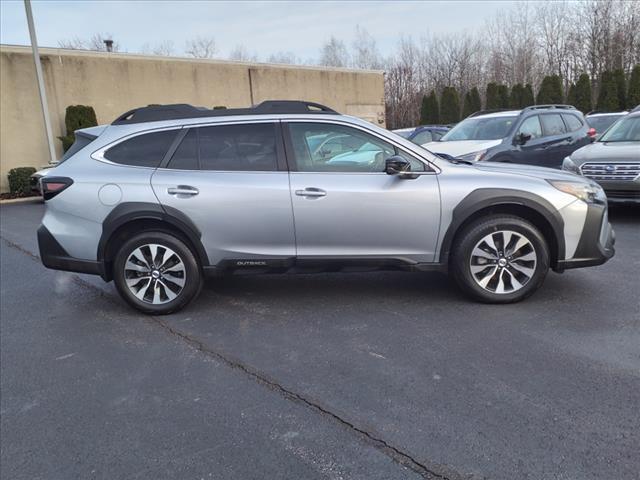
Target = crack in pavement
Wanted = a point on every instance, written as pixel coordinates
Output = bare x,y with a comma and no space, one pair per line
427,470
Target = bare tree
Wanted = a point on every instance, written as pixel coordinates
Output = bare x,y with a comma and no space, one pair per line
75,43
241,54
162,49
334,53
96,42
284,57
365,51
201,47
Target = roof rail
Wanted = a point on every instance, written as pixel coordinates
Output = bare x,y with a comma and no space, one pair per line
551,105
598,112
154,113
491,110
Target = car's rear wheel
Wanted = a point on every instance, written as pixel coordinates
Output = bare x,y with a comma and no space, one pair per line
500,259
156,273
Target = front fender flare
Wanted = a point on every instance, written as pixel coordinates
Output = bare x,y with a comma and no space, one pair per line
484,198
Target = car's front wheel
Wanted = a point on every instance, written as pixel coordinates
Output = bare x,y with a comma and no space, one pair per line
156,273
500,259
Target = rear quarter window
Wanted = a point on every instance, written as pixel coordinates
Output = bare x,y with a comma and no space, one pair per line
573,122
146,150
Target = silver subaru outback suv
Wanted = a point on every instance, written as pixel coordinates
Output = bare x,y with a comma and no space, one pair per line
166,195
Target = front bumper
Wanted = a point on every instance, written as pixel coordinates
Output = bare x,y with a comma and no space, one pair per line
597,241
621,191
54,256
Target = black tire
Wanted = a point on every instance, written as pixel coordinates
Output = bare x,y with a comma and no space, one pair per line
515,284
168,284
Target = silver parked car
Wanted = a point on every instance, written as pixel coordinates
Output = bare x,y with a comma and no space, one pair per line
168,194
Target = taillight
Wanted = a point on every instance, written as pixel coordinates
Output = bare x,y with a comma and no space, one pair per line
591,133
52,186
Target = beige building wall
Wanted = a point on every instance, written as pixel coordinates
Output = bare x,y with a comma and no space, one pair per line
113,83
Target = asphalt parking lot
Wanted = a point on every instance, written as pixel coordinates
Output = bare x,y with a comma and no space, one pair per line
371,375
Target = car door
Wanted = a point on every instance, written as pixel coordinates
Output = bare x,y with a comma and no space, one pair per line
557,140
533,150
346,206
231,181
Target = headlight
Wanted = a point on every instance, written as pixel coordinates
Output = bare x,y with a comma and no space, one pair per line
473,156
587,192
570,166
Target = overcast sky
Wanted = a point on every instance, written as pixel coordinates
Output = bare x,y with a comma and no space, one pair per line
262,27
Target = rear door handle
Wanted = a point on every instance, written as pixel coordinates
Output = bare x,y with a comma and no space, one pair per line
183,190
311,192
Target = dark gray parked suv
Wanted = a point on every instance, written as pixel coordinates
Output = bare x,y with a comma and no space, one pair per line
541,135
166,195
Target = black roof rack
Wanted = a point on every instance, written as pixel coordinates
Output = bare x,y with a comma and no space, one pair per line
491,110
551,105
154,113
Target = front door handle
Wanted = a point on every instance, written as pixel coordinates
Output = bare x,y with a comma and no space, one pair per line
311,192
183,190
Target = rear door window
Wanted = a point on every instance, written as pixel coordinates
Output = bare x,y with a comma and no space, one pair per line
186,155
146,150
552,124
246,147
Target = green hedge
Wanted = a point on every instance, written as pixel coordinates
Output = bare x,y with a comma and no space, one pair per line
77,117
19,183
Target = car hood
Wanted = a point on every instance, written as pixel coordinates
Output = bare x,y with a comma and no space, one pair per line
618,152
529,170
455,148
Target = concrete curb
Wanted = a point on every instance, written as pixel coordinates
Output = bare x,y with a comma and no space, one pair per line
22,200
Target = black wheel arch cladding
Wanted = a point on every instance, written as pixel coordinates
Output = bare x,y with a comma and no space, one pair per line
128,212
484,198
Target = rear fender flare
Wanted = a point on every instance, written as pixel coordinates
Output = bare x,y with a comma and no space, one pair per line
132,211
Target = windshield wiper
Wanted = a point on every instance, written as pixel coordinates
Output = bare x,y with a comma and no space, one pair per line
455,160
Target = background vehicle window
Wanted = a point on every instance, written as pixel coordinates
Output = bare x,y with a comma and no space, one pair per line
481,128
573,123
423,137
246,147
145,150
552,124
186,155
626,130
333,148
602,122
437,135
531,126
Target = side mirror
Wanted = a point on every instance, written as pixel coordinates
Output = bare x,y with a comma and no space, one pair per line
522,138
396,165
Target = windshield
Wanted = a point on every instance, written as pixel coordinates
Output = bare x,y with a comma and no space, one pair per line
626,129
601,123
479,128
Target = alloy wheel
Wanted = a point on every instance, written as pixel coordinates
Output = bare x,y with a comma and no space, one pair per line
154,274
503,262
